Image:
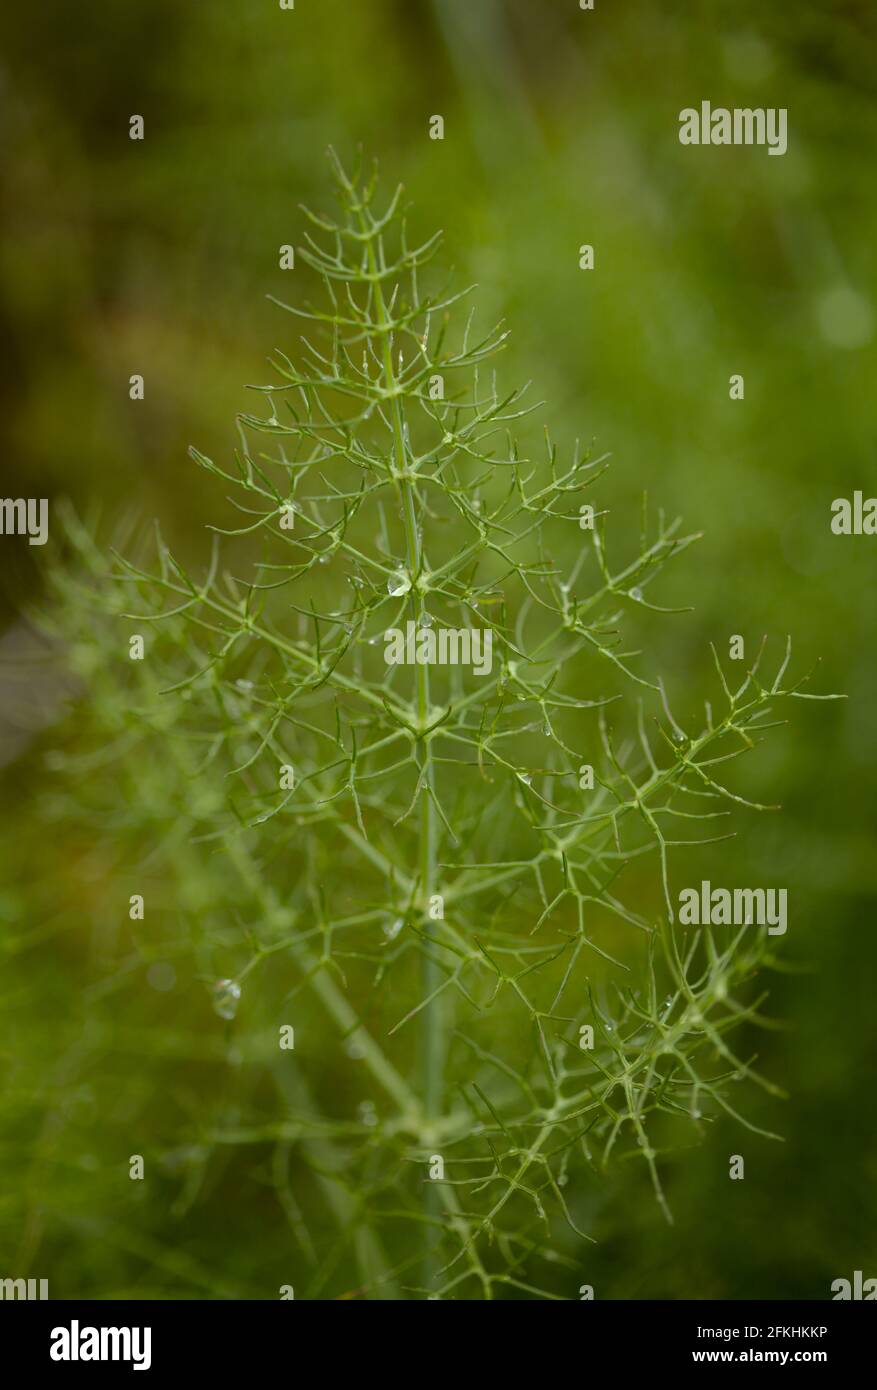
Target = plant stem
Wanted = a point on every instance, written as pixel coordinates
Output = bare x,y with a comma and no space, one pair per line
432,1023
432,1057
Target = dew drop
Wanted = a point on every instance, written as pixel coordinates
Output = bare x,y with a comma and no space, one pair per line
324,559
398,584
368,1114
354,1049
636,594
526,778
392,929
226,995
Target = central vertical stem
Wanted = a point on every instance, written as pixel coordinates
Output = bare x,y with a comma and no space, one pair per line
432,1053
432,1057
433,1045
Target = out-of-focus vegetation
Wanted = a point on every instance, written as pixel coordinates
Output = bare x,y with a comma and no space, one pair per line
121,257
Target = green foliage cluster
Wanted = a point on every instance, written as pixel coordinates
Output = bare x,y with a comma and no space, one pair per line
375,502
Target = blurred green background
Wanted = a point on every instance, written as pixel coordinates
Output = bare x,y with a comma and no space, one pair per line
560,128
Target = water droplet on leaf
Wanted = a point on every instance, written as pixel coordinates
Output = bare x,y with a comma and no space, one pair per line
398,584
226,995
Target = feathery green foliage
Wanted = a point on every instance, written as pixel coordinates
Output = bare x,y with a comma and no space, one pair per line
365,501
